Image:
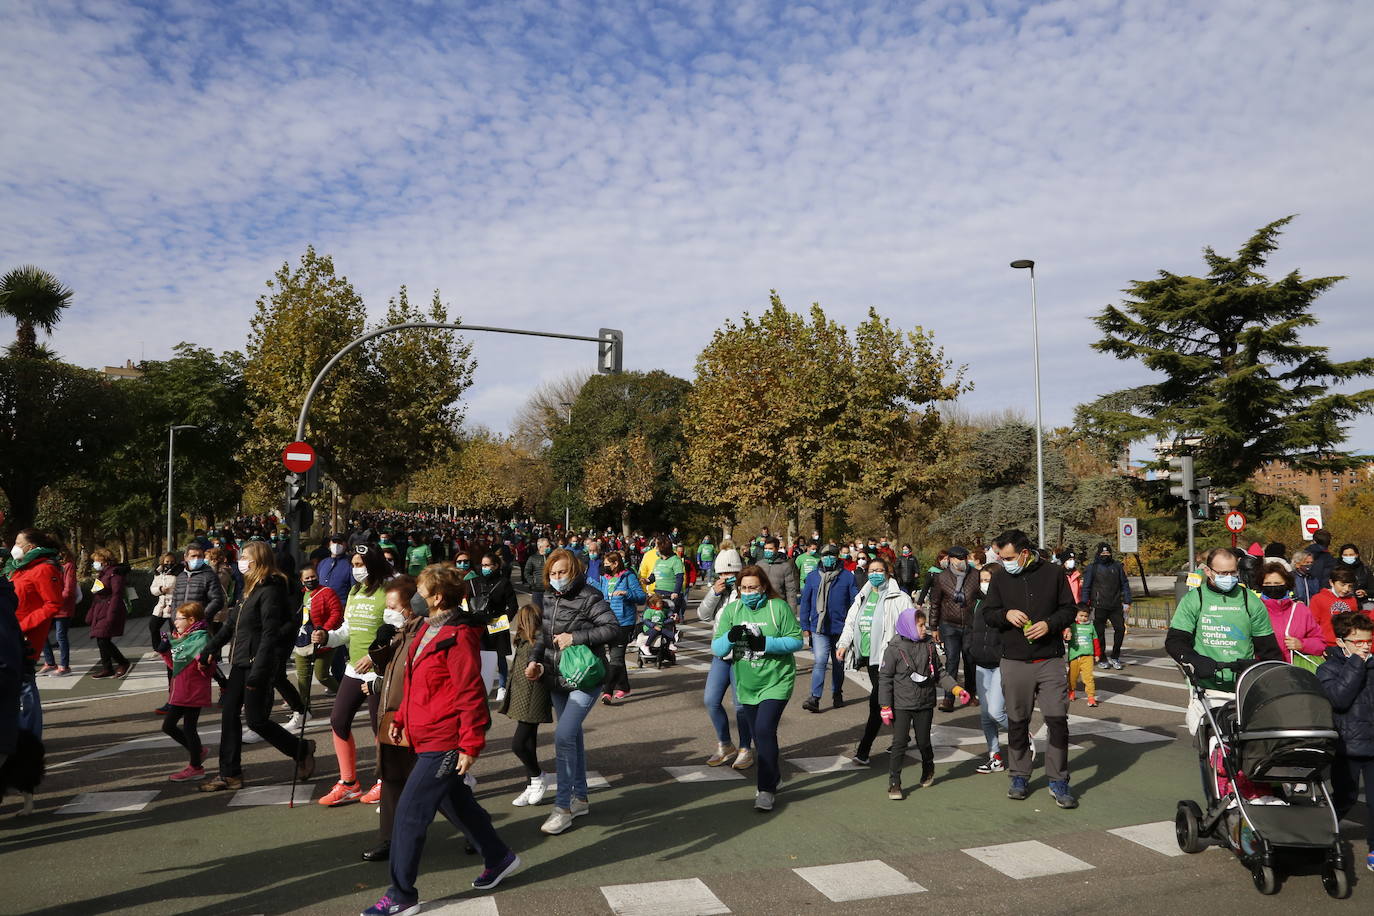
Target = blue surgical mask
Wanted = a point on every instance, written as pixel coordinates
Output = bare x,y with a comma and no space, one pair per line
754,601
561,584
730,581
487,570
769,554
463,564
195,563
1226,583
829,562
877,579
1350,561
1012,566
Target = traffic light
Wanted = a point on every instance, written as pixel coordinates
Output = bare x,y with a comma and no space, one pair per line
611,351
1222,500
1202,510
299,486
1181,478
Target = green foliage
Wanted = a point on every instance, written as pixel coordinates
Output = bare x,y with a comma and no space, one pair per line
35,299
1238,386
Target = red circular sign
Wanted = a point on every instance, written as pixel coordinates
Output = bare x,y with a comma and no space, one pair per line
298,456
1311,525
1235,521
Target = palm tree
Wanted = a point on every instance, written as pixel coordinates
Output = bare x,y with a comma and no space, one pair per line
35,299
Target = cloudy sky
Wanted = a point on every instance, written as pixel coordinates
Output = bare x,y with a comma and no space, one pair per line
571,165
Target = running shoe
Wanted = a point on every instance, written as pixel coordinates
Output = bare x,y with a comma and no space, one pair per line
1017,790
372,796
1115,663
745,759
992,765
490,877
389,907
187,774
341,794
1059,788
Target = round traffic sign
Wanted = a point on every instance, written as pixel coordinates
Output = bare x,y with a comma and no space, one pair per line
298,456
1235,521
1128,529
1311,524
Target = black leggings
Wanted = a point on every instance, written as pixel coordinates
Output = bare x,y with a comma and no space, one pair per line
904,722
524,744
346,705
1118,620
875,719
110,656
288,691
617,675
187,737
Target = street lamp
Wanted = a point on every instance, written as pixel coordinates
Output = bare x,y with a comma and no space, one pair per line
171,446
567,486
1026,264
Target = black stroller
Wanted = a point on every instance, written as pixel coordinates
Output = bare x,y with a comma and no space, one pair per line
1266,761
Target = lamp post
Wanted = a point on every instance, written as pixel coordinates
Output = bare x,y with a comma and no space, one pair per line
567,487
171,452
1025,264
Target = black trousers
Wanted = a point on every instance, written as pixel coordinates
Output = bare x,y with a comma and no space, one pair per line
875,718
904,722
1117,618
187,737
253,707
110,656
617,674
524,745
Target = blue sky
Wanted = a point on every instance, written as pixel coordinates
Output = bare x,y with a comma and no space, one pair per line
654,167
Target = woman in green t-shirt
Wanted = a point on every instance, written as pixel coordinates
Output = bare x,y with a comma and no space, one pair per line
758,635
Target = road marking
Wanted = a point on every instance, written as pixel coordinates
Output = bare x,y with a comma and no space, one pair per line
704,773
102,802
1027,859
47,682
1122,699
826,764
594,781
687,897
858,881
1158,836
149,671
1134,679
479,906
945,754
133,744
1116,731
270,795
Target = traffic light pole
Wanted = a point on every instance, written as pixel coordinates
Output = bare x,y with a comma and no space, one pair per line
610,358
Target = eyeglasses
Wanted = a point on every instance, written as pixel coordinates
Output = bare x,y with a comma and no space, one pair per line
1367,643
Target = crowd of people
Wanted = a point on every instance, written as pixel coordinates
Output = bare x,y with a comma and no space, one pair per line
422,619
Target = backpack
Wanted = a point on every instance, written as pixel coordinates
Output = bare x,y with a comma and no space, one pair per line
579,668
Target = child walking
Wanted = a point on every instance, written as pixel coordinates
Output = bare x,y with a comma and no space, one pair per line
190,692
1347,677
907,681
1081,642
529,705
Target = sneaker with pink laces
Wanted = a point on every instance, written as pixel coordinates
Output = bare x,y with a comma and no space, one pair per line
621,694
374,794
188,774
341,794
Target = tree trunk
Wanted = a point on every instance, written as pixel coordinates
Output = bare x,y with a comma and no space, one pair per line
791,525
818,521
625,521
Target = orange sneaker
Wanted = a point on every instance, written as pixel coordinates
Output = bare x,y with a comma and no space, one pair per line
374,795
1071,696
341,794
1092,701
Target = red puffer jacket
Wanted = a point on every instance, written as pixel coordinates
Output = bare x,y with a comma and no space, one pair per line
39,589
445,702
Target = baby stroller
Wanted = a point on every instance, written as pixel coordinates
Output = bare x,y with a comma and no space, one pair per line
1266,761
657,643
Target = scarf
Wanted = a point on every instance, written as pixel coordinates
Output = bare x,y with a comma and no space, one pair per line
906,625
823,596
35,554
187,648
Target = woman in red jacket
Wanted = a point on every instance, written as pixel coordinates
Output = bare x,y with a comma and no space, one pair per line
107,614
443,716
37,579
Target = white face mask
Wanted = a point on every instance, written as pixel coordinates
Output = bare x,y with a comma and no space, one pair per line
395,618
360,574
1070,564
336,550
983,587
243,566
17,552
97,565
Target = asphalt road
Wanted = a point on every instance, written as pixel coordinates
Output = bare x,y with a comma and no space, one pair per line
960,844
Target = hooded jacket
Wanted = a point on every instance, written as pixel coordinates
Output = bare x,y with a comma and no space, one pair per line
1041,591
1349,684
444,700
893,602
38,589
902,658
625,607
107,613
1093,573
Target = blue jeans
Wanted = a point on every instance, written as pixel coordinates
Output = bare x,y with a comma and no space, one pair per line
30,707
423,795
823,650
993,712
64,646
952,637
763,724
570,753
722,675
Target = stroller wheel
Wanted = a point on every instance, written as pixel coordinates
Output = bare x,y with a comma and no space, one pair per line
1186,827
1266,879
1336,882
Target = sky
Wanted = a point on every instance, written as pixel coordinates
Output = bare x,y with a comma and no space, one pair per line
658,168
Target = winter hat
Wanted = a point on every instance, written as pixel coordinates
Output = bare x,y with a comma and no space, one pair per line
957,553
1255,550
830,550
728,561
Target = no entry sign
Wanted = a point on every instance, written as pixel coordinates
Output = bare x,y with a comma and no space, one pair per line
298,457
1311,519
1235,522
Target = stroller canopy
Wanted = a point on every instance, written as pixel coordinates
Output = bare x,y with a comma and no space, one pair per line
1284,724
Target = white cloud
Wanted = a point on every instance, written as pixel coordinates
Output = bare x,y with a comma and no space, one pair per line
693,158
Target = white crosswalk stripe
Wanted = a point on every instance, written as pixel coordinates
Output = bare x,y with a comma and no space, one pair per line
687,897
102,802
703,773
1027,859
1158,836
858,881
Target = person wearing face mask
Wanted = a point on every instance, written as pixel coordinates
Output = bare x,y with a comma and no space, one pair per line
1337,598
1215,624
807,561
163,585
907,570
106,614
1069,560
364,613
1305,584
533,571
1322,560
1030,604
781,572
622,589
1350,559
758,636
1293,624
985,651
321,612
575,614
706,558
868,627
1108,592
1347,679
33,571
722,674
826,596
952,597
493,599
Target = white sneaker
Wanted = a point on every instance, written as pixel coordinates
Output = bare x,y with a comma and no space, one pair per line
297,721
763,801
744,761
580,806
251,737
533,794
500,694
557,822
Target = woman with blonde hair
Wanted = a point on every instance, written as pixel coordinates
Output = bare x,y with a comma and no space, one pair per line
253,633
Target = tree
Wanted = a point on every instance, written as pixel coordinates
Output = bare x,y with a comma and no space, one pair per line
56,420
35,299
620,475
1238,386
486,473
545,411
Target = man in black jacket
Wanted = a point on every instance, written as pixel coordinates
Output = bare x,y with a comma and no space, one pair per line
1107,591
1030,601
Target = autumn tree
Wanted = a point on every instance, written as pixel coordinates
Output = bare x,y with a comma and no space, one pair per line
545,411
621,474
1235,386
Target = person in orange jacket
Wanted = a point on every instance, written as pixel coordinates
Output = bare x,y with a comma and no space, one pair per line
34,572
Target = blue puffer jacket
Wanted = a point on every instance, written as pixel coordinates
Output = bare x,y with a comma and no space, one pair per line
1349,685
842,593
623,605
